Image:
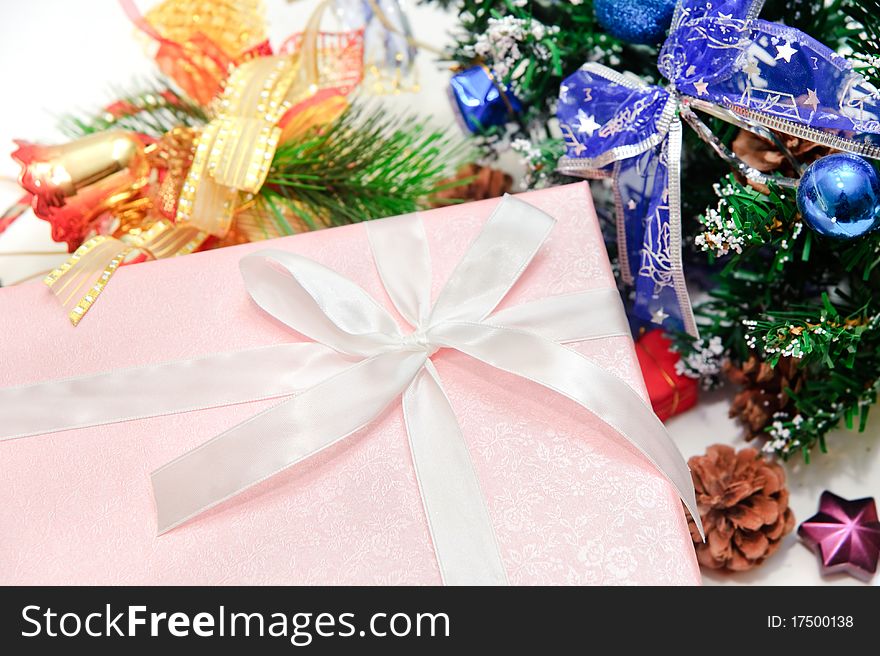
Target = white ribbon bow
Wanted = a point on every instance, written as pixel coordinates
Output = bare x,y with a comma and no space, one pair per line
358,363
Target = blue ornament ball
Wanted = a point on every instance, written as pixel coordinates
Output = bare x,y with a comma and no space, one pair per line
839,196
635,21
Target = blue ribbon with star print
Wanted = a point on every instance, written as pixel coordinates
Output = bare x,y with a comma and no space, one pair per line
719,58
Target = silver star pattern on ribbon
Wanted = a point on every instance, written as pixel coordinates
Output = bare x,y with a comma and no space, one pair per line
587,123
785,51
659,316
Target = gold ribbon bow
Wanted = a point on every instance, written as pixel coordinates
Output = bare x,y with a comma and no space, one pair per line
266,99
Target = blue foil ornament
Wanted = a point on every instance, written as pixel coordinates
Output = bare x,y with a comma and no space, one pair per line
718,59
635,21
481,101
839,196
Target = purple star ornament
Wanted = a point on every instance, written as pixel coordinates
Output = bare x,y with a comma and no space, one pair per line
846,534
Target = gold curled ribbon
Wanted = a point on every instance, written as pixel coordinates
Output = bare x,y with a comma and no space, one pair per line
82,278
234,152
266,99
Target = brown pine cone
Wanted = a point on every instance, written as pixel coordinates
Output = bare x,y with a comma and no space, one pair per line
477,183
743,503
763,154
764,392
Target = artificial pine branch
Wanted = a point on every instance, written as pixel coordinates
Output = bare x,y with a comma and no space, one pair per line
784,291
364,165
153,109
532,47
864,37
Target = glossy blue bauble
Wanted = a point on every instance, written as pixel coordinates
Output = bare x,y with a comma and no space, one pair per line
839,196
635,21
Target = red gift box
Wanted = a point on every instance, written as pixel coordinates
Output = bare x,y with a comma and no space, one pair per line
670,392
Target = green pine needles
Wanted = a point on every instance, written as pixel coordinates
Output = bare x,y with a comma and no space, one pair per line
366,164
153,109
784,291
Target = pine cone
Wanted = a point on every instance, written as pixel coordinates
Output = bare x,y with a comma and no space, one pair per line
486,183
764,392
763,155
743,503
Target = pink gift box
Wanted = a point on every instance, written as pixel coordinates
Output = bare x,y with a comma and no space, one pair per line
571,502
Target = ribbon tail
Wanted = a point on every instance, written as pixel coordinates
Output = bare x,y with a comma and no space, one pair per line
621,225
280,437
166,388
647,192
673,155
80,280
458,519
568,373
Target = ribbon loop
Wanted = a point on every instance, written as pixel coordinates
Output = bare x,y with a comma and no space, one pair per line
318,303
493,263
400,250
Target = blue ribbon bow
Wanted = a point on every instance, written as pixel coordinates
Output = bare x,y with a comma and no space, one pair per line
719,59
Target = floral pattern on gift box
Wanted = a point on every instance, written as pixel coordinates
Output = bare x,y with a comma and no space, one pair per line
535,475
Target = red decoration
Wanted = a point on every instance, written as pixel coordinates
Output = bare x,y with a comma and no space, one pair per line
12,213
670,392
74,184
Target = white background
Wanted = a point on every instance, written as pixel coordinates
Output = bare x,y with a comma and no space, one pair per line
58,56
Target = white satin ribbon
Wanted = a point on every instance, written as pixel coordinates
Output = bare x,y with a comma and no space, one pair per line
358,363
